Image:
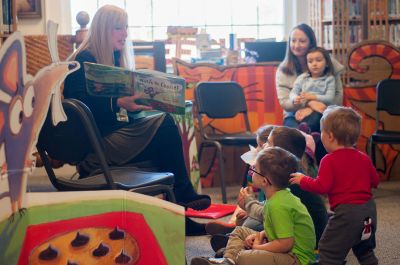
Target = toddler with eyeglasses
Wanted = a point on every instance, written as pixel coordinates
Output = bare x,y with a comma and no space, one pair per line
288,235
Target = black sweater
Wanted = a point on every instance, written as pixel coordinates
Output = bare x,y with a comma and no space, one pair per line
103,108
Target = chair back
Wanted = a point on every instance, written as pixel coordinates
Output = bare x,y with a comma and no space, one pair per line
72,140
67,141
220,100
388,95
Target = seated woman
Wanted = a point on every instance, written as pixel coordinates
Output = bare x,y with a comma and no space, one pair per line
301,40
154,138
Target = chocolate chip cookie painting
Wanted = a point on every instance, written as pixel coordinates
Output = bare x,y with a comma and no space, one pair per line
112,238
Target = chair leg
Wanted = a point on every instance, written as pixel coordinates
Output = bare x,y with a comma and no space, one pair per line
222,172
373,151
157,189
244,183
221,165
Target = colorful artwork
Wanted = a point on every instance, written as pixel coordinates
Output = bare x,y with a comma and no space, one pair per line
369,62
98,227
102,226
257,80
24,103
189,146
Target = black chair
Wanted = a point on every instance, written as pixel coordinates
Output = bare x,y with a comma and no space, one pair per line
221,100
72,140
387,100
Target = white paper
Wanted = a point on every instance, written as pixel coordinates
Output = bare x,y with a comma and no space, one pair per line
250,156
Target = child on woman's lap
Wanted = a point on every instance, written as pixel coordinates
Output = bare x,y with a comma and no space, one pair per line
317,84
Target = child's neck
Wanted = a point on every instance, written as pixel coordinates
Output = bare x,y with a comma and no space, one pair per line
270,191
337,147
315,76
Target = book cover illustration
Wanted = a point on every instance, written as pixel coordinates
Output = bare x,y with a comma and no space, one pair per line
162,91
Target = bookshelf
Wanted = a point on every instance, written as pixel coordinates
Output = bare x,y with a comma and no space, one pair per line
8,18
340,24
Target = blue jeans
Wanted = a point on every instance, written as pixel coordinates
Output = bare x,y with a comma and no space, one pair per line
312,121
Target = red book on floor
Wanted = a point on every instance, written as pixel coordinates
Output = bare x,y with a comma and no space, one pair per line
213,212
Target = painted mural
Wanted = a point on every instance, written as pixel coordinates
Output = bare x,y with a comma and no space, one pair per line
98,227
368,63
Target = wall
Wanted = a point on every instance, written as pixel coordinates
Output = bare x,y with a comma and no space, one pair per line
56,10
296,13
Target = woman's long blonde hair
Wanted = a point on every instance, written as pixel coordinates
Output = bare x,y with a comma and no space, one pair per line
98,40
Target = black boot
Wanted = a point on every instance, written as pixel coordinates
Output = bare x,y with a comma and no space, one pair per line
188,198
194,228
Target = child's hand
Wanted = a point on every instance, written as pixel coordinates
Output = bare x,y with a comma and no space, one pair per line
296,178
243,194
308,96
241,215
302,113
316,106
297,100
248,242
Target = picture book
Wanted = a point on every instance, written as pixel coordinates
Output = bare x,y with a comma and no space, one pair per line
164,92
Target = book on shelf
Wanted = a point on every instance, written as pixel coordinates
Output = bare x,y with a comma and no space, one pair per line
164,92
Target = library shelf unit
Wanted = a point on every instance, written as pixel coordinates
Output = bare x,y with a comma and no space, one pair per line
340,24
8,19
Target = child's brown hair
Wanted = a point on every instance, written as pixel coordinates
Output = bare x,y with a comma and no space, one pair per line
277,164
290,139
328,62
293,140
343,122
263,133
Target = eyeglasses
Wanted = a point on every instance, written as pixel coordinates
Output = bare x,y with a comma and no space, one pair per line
254,171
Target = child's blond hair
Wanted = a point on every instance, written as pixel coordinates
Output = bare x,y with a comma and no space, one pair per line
343,122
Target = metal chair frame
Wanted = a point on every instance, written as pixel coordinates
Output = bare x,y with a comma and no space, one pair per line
51,144
387,96
221,100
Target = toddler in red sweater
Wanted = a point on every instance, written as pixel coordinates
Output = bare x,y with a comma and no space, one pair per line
347,176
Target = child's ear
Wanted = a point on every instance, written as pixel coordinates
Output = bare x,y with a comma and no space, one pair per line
265,182
331,137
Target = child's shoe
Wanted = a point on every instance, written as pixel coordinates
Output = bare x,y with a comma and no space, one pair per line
219,241
217,227
304,128
220,253
208,261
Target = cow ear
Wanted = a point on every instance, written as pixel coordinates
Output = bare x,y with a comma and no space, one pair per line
12,67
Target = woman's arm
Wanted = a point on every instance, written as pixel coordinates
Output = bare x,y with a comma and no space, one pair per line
294,94
337,70
284,83
75,87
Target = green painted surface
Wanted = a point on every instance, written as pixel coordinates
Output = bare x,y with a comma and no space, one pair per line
168,227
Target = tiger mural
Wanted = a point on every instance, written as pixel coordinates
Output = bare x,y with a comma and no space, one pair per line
368,63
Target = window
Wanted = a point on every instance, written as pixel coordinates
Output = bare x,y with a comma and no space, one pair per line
149,19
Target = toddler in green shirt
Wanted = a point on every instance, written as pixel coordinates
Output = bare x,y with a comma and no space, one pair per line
288,236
